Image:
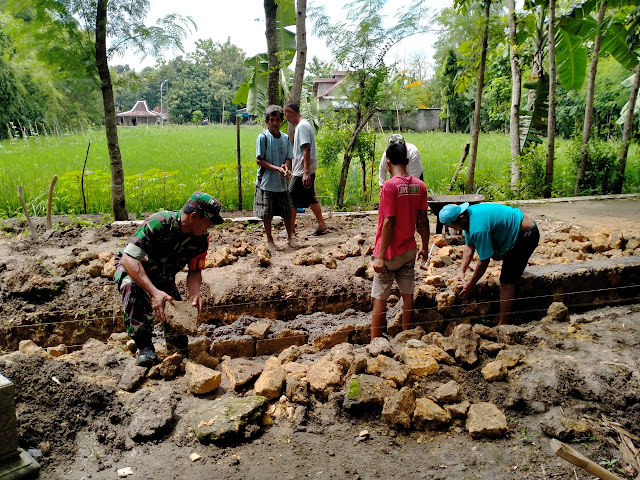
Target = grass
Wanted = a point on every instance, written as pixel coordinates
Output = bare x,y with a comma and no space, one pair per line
164,165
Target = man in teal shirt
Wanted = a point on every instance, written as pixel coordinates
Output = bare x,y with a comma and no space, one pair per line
492,229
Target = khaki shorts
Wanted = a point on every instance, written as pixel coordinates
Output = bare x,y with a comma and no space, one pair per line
400,268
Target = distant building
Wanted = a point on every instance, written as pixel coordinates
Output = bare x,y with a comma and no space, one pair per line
141,115
327,93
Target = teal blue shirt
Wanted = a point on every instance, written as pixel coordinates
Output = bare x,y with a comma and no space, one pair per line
493,228
275,151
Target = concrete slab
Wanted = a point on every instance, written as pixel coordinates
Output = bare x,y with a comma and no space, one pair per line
21,467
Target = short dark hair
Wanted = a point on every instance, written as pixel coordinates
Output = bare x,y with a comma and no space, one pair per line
397,154
291,105
272,111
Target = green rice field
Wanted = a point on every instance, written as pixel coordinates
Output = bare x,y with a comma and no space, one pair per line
164,165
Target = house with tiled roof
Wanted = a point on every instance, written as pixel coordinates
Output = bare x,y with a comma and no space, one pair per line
327,91
141,115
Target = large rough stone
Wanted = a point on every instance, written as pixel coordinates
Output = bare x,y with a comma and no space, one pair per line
324,377
600,242
379,346
198,345
557,312
511,357
132,376
297,388
562,424
494,371
290,354
616,238
270,383
284,339
170,366
332,338
510,334
388,368
411,334
241,371
200,379
440,355
466,344
182,317
488,333
490,348
486,420
258,329
58,351
399,407
342,354
228,418
458,410
28,347
448,393
428,414
152,413
307,256
235,347
366,392
418,361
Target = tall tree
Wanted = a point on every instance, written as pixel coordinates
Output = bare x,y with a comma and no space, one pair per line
462,5
588,112
516,89
301,58
273,79
126,31
551,125
359,45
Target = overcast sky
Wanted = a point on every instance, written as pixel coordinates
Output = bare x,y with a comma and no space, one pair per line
243,22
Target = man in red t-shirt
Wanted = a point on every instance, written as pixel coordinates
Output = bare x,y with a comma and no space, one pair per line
403,205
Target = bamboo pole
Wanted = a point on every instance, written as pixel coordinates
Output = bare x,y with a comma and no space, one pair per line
579,460
53,184
26,213
239,162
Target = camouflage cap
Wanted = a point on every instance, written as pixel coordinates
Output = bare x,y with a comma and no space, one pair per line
396,138
205,205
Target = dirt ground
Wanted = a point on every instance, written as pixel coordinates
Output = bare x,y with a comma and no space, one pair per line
76,424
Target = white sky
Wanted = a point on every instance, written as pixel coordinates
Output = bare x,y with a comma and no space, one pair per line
235,19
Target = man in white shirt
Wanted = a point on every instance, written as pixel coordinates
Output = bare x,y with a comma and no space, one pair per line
414,167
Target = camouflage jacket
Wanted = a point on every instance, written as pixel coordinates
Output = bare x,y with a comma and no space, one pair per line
164,250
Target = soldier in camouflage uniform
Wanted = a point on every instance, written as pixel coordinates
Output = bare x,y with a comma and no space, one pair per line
147,266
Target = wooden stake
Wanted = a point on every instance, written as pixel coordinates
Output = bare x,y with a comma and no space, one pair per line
455,175
53,184
579,460
26,213
238,118
84,200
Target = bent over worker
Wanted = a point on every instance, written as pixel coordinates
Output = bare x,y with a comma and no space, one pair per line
147,266
492,229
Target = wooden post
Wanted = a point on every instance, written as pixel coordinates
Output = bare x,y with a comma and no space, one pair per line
26,213
455,175
84,200
579,460
238,117
53,184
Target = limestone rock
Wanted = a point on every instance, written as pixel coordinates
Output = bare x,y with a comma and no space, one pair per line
259,329
494,371
364,392
270,383
445,299
58,351
616,238
440,341
398,408
329,262
486,332
358,365
379,346
411,334
485,420
264,257
428,414
197,346
561,424
490,348
324,377
388,368
466,344
241,371
152,414
510,334
132,376
182,317
170,366
206,360
458,410
418,361
632,244
332,338
290,354
435,280
235,347
297,388
557,312
307,256
109,269
510,357
448,393
200,379
440,355
600,242
28,347
342,354
229,418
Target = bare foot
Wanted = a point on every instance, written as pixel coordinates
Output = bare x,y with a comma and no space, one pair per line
271,246
293,243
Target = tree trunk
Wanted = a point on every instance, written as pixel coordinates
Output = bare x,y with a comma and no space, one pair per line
447,125
588,111
348,154
363,171
551,119
628,130
475,132
118,204
301,59
516,87
273,95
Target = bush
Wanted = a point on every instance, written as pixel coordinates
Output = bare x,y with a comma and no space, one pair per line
601,169
532,171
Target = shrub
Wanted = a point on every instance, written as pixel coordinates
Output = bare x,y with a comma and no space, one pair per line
601,168
532,171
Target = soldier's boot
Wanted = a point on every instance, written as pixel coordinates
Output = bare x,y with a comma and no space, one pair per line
177,344
146,353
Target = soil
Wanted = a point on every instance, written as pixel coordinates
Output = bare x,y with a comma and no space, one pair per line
74,419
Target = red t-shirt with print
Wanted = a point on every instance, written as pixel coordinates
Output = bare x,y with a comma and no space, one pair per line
401,197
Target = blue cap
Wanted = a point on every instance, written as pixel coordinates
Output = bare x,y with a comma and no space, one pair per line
450,213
